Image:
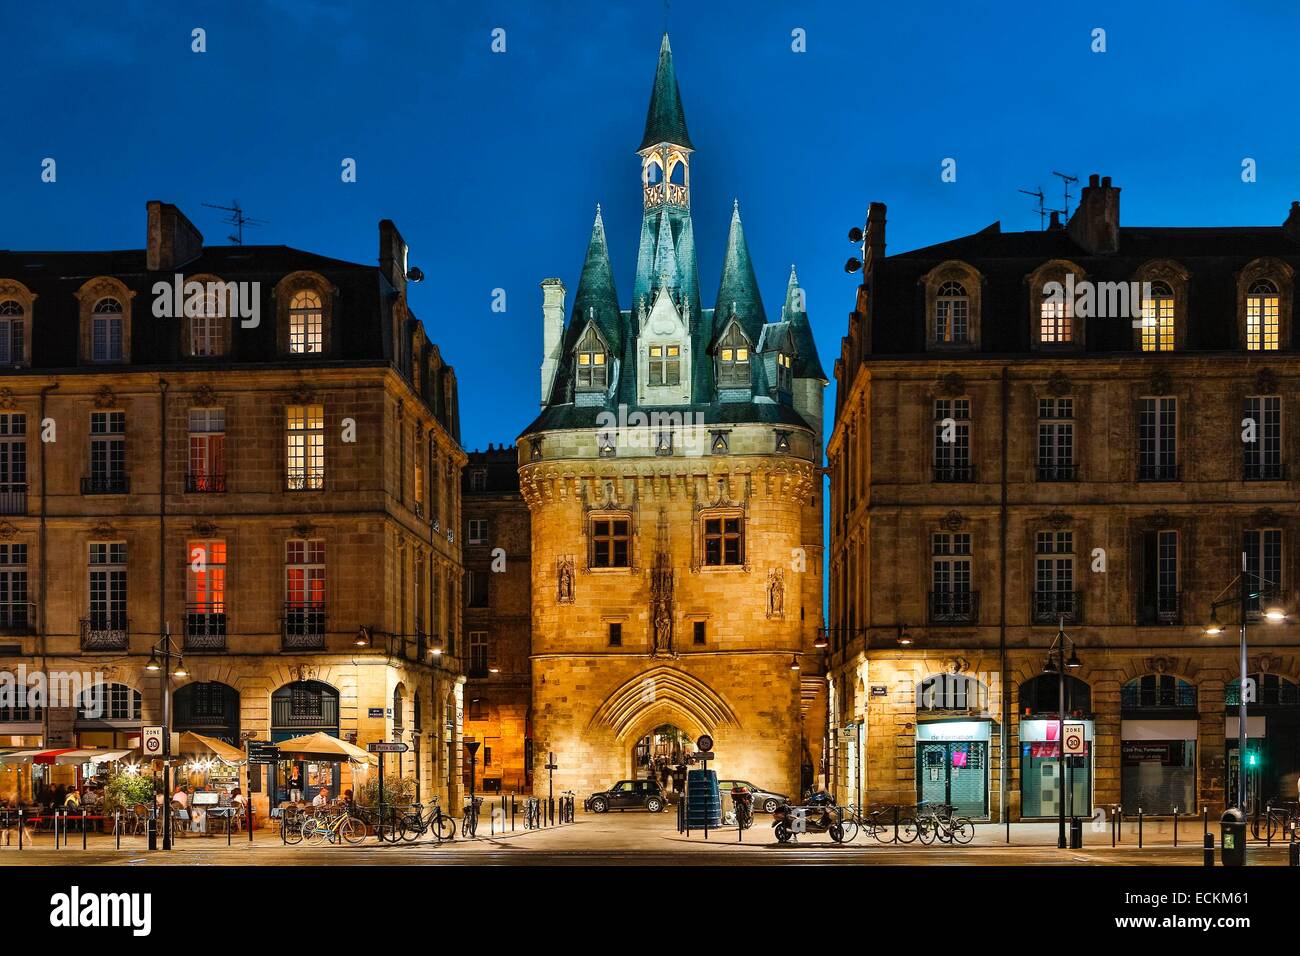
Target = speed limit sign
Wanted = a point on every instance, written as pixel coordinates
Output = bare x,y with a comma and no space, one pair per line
153,741
1074,738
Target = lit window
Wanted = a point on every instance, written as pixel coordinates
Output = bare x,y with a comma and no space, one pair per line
207,329
611,540
952,314
1056,321
305,447
724,541
11,332
207,450
305,322
784,371
665,365
205,581
1158,319
106,331
1262,317
733,360
593,372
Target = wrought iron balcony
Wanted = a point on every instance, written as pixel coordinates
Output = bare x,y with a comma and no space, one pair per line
104,632
13,498
1263,471
205,484
1159,472
1162,607
205,627
115,483
1048,471
954,607
954,474
303,626
17,617
298,480
1178,695
1049,607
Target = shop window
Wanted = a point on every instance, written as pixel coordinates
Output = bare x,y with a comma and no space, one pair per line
1158,692
109,702
1041,696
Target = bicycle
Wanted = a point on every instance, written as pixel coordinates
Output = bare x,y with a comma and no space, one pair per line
414,824
335,826
532,813
469,822
936,822
1277,819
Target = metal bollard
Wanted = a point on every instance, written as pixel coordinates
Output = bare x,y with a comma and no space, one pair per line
1113,821
1209,849
895,823
1268,829
1294,854
512,812
1175,826
1139,828
83,829
117,827
1119,822
20,829
1205,821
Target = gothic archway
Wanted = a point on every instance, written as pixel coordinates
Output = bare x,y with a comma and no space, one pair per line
662,695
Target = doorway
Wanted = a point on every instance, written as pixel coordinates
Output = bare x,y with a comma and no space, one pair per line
661,756
954,772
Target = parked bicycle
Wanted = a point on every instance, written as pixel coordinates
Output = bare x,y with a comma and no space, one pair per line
469,822
335,826
416,822
532,813
1278,820
935,821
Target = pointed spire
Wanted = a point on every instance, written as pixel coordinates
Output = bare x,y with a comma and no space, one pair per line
795,311
739,287
665,122
597,296
666,255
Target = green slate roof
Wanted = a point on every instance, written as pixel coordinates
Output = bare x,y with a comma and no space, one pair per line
597,297
795,311
738,290
665,122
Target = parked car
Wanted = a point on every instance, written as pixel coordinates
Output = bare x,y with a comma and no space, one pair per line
764,800
627,795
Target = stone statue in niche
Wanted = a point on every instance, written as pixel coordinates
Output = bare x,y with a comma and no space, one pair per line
564,575
776,592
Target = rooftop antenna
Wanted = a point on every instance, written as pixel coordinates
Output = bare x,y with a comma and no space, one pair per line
1042,210
236,219
1065,181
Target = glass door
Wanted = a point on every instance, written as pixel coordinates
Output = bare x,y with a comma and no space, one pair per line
954,772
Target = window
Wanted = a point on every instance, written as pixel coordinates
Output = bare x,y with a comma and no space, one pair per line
304,573
205,595
951,597
477,709
1160,598
306,322
1158,439
1263,550
1158,691
305,447
107,324
724,541
208,327
615,634
15,611
419,473
478,654
593,372
1056,439
733,360
1056,320
1262,317
107,454
1262,458
207,450
952,315
1158,319
108,586
478,588
952,440
109,702
12,333
478,530
13,463
784,371
700,635
611,540
478,479
665,365
1054,594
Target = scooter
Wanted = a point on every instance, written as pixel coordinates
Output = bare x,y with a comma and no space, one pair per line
742,808
789,821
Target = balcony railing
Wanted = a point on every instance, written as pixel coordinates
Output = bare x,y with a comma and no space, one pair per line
104,632
303,626
1056,472
1162,607
1158,472
1050,607
13,498
114,484
1263,471
300,481
17,617
205,484
205,627
1181,696
954,473
954,607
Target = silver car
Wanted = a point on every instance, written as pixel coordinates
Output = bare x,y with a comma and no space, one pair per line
764,800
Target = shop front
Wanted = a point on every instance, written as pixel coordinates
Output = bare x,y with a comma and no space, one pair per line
1158,735
952,764
1273,740
1257,758
300,709
1041,771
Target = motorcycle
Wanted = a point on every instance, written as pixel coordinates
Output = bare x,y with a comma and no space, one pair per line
822,817
742,808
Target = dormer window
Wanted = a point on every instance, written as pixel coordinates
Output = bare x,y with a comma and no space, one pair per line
12,332
784,371
952,315
1158,319
106,331
1262,316
593,365
1056,321
733,360
306,323
665,367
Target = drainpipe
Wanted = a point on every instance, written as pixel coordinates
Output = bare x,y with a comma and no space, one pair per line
162,517
1002,606
43,626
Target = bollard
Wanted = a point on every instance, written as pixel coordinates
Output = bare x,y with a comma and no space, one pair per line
1175,826
229,817
1209,849
20,829
283,841
83,829
1205,821
895,823
1119,822
1113,819
1294,854
117,827
1268,827
1139,828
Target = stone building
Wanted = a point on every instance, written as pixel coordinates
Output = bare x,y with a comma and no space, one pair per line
252,448
498,620
673,479
1082,428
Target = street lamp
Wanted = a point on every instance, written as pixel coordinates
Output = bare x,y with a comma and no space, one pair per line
162,664
1249,587
1060,667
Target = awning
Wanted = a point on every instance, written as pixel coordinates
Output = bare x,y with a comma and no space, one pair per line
322,747
20,756
90,755
50,756
192,743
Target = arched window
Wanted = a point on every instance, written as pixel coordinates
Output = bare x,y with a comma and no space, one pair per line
1270,691
951,692
207,329
733,360
1056,320
108,702
1158,692
1262,316
306,323
952,314
1158,318
107,327
1040,695
13,350
592,367
399,717
209,708
304,707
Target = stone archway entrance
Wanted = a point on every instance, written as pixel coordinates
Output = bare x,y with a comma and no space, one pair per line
662,753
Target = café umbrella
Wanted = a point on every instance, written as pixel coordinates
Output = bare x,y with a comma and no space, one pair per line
192,743
322,748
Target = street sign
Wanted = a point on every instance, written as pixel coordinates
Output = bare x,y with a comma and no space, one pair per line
705,742
879,690
704,755
1074,738
375,712
552,765
154,742
387,747
472,746
262,751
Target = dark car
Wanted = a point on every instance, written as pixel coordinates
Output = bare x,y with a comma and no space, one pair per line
764,800
627,795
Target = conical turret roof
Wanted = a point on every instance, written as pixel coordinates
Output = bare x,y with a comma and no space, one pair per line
795,311
738,290
665,122
597,296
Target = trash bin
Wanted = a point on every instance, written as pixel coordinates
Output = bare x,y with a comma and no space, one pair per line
1232,839
1076,833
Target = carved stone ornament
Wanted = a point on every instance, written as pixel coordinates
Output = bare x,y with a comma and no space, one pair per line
952,521
951,385
1161,519
1265,382
1161,382
7,399
303,529
776,592
301,396
1266,517
1265,663
1059,384
1159,665
204,529
103,530
105,398
305,672
204,396
1059,519
564,579
7,530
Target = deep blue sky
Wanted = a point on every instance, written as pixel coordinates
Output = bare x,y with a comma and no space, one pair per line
491,164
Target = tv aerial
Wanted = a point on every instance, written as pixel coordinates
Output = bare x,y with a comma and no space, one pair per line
236,219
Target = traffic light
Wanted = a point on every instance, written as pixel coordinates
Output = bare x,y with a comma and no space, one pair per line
1252,758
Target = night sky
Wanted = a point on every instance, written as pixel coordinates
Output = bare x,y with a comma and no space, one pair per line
492,164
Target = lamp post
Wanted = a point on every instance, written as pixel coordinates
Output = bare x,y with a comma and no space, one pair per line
1248,587
164,668
1059,667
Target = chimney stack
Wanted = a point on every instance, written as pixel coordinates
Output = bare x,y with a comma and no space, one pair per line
552,332
170,239
392,255
1095,223
1292,225
875,234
